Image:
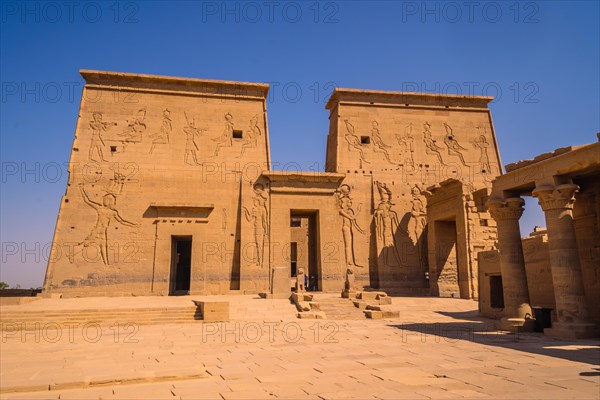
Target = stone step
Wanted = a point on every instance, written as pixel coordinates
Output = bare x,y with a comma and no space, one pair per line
338,308
28,319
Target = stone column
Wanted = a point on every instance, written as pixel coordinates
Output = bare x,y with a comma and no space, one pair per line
517,310
571,307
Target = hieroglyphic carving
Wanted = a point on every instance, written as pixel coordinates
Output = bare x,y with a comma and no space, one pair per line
224,220
162,136
353,140
418,214
349,224
105,213
135,127
252,135
259,217
380,146
191,132
430,146
407,146
98,127
386,225
225,139
454,148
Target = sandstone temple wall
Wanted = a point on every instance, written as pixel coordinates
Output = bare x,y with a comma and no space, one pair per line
171,191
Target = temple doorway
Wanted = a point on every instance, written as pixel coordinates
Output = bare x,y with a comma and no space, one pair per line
181,265
304,248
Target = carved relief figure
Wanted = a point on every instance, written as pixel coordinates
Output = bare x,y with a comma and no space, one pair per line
380,146
454,148
484,159
407,146
253,133
225,140
259,217
349,224
419,217
115,186
386,224
98,127
430,146
191,132
105,213
135,127
353,140
162,136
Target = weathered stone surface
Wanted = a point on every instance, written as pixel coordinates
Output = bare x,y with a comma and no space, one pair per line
183,198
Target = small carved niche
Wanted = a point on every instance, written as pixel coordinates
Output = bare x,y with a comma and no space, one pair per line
237,134
365,139
113,149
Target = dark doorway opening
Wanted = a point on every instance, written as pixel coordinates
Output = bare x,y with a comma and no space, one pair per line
304,247
181,265
294,258
496,292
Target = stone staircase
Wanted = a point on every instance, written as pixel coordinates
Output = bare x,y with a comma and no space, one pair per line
337,308
37,319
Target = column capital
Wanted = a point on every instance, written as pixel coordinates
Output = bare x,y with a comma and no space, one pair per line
506,209
559,197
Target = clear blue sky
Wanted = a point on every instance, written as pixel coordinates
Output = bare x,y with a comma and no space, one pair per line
540,59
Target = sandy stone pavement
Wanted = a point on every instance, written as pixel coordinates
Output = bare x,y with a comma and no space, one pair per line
437,349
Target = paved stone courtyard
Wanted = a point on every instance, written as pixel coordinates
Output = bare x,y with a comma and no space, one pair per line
265,352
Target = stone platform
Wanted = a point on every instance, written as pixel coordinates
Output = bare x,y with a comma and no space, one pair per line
438,348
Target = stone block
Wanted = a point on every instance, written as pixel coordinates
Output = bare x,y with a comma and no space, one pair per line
374,314
214,311
361,305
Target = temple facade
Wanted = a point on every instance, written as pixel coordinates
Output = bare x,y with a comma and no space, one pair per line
171,192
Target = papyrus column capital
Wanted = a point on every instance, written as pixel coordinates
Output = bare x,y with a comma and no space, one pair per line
503,209
559,197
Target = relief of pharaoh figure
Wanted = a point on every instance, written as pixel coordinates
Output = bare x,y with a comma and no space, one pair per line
349,224
105,213
407,146
253,133
419,217
484,158
259,217
162,136
225,140
98,127
135,127
191,133
386,225
380,146
430,146
354,141
454,148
